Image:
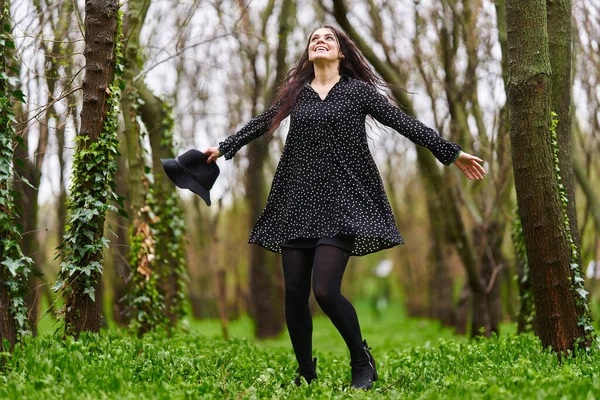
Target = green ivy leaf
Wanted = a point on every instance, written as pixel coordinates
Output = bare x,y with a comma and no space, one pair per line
90,291
13,265
582,292
59,283
19,95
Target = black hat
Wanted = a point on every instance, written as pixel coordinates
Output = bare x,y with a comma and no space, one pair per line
190,171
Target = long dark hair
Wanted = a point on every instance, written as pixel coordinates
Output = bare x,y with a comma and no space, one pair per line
353,64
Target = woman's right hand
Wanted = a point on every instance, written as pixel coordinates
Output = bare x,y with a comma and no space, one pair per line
213,153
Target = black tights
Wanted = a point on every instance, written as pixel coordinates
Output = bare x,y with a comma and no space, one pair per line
327,263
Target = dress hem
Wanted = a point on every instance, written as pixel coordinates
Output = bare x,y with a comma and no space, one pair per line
393,244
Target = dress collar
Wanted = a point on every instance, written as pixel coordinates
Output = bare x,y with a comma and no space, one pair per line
343,77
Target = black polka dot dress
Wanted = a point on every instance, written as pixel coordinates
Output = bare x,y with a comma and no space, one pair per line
327,185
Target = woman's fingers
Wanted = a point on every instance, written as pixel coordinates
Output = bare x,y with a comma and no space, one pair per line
465,170
472,168
480,170
212,153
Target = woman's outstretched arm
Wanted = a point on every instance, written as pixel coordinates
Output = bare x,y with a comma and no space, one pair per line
255,128
447,152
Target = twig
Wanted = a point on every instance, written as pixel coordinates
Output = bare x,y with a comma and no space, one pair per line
50,104
397,380
145,71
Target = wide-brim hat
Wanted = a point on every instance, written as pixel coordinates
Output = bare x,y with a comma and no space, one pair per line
191,171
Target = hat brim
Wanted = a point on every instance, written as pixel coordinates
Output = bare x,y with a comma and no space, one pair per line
183,179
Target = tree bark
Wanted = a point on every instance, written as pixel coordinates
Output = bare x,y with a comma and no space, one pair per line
82,313
559,45
529,99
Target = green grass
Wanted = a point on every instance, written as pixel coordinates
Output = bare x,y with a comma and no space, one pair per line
416,359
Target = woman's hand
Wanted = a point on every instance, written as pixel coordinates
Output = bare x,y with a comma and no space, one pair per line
213,153
469,165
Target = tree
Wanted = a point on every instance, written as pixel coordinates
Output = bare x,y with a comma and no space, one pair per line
441,189
559,46
14,266
263,271
93,169
561,314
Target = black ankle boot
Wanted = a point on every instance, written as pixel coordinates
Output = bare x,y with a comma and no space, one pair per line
364,371
309,372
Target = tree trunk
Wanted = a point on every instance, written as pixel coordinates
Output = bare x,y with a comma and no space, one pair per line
138,266
169,262
27,209
559,45
268,316
490,240
548,249
13,266
121,270
82,312
8,329
441,282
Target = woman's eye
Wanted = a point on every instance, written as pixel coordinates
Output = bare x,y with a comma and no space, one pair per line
330,38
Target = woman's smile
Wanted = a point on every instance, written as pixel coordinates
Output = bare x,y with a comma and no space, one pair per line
323,44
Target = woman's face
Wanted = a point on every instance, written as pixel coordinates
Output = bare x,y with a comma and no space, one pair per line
323,46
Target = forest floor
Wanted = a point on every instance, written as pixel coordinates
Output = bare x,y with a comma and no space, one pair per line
415,359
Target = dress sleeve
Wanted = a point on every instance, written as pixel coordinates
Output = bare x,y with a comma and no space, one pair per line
378,106
255,128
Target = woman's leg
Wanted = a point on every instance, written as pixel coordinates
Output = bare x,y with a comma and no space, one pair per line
328,270
297,268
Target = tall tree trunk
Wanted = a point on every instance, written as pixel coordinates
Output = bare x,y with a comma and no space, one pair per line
138,264
121,270
505,179
27,206
267,315
548,249
14,267
169,262
84,233
453,221
559,45
441,282
32,169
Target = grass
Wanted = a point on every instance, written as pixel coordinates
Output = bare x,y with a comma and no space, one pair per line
415,358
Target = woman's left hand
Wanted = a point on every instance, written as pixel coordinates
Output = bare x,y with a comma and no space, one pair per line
469,165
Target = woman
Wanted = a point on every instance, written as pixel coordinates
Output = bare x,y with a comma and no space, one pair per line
327,201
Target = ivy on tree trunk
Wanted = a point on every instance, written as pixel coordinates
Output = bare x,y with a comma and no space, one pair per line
560,313
93,169
14,266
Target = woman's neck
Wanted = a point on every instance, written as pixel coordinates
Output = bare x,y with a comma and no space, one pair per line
326,74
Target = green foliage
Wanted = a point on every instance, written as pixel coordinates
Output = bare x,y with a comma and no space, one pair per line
91,193
577,287
14,264
146,300
194,366
170,229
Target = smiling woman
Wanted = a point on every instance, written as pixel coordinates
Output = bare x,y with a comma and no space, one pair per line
327,201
